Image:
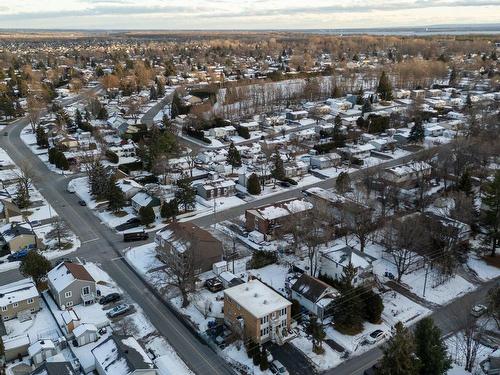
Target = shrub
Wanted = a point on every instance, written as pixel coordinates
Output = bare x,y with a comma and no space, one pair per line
262,258
112,156
253,184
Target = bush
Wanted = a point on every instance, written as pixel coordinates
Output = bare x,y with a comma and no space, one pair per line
253,184
243,132
372,305
198,134
147,215
262,258
324,148
112,156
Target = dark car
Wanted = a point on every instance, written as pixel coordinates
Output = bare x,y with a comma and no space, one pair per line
81,202
284,184
240,195
129,224
18,255
214,285
113,297
135,236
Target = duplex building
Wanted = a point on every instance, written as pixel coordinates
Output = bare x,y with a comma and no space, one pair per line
71,284
18,299
257,312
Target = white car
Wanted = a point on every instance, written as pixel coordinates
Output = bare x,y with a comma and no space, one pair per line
277,368
376,336
478,310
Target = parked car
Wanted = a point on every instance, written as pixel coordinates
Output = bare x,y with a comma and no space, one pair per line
81,202
18,255
240,195
113,297
376,336
285,184
118,310
129,224
478,310
214,285
135,236
277,368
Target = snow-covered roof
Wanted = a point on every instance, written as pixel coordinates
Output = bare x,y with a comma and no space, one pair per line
142,199
121,356
40,345
343,255
82,328
412,167
284,208
65,273
17,291
257,298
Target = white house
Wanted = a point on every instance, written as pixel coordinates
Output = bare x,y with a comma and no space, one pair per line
335,259
325,161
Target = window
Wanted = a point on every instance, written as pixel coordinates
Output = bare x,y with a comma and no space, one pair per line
15,304
264,331
32,309
68,294
4,308
5,317
86,290
283,311
30,301
264,319
70,303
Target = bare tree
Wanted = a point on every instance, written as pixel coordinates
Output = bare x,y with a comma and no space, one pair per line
34,110
25,176
60,231
182,268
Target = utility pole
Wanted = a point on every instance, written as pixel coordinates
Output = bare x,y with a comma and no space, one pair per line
425,280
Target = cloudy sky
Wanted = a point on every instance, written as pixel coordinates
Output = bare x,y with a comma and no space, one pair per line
242,14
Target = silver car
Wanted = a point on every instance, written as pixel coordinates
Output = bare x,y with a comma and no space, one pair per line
118,310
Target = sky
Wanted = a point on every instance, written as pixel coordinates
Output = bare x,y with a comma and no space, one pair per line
242,14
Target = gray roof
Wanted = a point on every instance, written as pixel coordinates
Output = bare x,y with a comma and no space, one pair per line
55,368
311,288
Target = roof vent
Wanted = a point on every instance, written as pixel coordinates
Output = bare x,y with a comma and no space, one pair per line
256,295
265,302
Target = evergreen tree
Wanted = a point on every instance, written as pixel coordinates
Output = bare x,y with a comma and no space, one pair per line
399,358
102,114
453,77
169,209
153,94
317,332
491,201
336,92
348,307
372,305
52,155
278,171
233,157
185,194
97,181
78,118
35,265
160,89
430,349
384,88
116,198
417,133
468,102
367,107
22,196
253,184
337,135
147,215
465,183
42,140
343,183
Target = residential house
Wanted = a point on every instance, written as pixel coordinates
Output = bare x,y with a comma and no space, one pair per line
383,144
449,227
266,219
314,295
223,132
19,299
433,130
215,188
325,161
18,236
10,211
357,151
41,350
406,174
122,355
334,260
129,187
257,312
177,238
67,143
143,199
71,284
296,115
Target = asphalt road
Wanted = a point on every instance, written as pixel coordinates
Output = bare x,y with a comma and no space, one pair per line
103,246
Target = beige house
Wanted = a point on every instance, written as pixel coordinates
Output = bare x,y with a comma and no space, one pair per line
18,236
257,312
71,284
18,299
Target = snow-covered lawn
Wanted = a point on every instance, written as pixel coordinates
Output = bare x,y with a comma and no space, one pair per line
482,269
398,308
330,358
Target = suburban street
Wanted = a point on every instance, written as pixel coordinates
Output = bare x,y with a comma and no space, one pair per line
102,245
